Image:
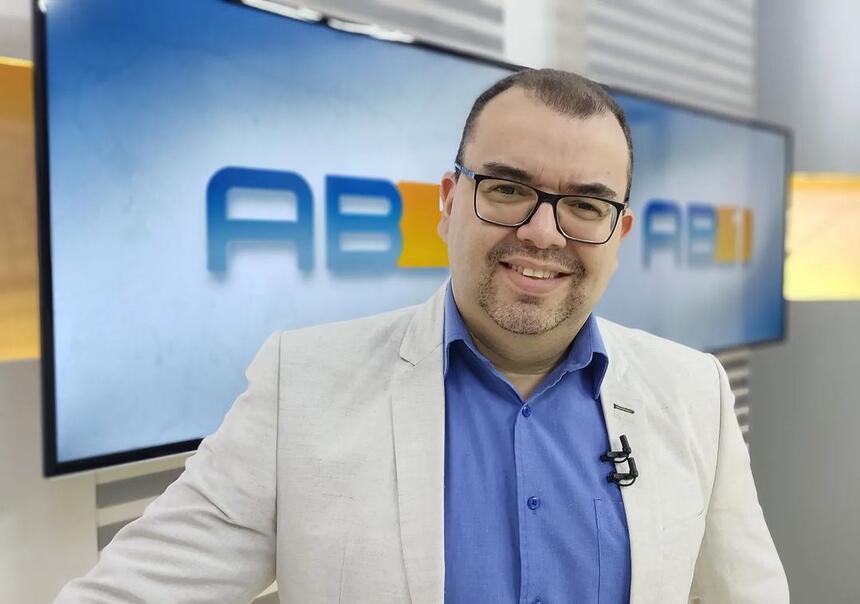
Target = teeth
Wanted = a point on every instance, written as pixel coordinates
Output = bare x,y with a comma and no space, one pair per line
531,272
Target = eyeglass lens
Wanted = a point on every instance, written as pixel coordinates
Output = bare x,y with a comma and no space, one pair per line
508,203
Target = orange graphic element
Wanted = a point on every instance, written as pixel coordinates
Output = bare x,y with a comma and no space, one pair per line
822,245
727,243
747,235
734,239
422,246
19,287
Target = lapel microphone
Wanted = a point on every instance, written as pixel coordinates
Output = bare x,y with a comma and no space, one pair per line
622,479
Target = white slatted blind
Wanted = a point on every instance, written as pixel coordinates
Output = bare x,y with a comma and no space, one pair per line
471,25
696,52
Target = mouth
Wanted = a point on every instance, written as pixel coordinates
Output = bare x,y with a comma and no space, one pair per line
533,280
535,272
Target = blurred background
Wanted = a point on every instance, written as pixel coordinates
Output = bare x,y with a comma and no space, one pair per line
203,124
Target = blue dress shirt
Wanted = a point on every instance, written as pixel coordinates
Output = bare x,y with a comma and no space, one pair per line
529,515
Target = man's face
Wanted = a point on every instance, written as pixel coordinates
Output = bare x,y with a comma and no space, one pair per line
519,138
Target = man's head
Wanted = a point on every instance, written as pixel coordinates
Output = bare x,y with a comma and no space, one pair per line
560,133
565,92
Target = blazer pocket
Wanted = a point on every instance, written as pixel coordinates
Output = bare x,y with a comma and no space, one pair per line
674,517
683,538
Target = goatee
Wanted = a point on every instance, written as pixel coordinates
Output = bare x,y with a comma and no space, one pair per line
530,315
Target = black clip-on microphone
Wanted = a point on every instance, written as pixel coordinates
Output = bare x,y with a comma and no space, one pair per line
622,479
618,456
625,479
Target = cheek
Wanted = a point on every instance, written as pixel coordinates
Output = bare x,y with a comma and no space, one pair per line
599,262
472,247
461,252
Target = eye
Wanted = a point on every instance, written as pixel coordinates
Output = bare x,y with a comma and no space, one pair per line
586,206
507,189
587,209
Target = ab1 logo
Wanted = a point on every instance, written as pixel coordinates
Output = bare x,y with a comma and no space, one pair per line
714,234
408,224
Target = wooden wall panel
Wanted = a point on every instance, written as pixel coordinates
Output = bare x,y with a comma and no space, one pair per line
19,293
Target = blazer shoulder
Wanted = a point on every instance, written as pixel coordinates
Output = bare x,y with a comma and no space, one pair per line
681,386
653,353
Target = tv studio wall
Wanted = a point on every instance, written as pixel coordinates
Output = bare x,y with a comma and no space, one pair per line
806,392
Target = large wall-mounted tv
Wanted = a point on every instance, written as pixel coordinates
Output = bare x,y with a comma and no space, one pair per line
210,172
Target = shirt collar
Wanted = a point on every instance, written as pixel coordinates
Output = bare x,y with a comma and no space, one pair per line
587,346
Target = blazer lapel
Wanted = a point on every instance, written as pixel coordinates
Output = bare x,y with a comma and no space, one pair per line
418,418
641,500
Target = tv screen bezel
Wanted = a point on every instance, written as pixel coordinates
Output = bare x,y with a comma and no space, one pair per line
51,465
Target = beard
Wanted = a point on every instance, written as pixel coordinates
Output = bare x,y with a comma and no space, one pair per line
530,315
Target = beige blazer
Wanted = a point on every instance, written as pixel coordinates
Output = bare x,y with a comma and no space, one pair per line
328,475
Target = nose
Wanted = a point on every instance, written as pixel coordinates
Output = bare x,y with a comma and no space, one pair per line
541,231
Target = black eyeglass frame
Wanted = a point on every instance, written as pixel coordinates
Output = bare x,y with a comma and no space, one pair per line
542,196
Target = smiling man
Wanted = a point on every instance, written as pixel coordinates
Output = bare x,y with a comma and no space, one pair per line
522,275
498,443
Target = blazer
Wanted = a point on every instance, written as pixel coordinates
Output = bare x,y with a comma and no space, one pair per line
327,474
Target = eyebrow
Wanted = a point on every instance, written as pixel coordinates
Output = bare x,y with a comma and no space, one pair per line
593,189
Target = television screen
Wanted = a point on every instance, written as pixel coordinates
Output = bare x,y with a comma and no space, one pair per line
210,172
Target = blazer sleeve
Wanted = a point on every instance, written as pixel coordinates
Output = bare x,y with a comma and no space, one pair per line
738,562
211,536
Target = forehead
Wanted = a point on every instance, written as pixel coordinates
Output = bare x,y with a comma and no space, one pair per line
516,129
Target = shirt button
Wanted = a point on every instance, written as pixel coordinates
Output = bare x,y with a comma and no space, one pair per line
526,410
533,503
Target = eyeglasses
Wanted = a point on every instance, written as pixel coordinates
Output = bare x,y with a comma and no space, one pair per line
509,203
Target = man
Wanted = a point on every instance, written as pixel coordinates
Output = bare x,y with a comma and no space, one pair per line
469,449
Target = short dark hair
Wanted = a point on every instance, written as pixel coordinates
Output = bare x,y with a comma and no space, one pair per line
564,91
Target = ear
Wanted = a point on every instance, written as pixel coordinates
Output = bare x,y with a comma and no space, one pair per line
446,202
627,221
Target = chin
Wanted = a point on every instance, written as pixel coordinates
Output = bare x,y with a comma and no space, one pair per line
532,315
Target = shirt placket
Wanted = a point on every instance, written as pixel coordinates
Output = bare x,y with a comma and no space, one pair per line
529,505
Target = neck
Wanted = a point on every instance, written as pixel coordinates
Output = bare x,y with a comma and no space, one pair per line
524,359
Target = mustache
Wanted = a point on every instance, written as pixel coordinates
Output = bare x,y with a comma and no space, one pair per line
549,256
